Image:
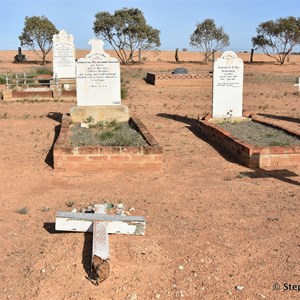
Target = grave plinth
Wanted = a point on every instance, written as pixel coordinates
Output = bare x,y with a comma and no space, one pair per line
80,114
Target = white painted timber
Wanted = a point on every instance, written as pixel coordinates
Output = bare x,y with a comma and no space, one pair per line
83,222
100,235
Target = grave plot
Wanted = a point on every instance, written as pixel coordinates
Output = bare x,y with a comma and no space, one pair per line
61,83
99,106
179,77
227,108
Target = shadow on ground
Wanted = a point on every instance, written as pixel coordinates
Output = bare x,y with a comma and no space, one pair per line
284,118
193,128
58,118
282,175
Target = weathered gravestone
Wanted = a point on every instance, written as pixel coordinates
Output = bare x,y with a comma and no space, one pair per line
98,78
228,86
20,57
63,55
98,85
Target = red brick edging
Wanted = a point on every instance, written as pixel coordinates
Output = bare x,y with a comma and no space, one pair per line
102,158
249,155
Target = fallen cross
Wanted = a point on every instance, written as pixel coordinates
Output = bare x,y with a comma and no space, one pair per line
101,225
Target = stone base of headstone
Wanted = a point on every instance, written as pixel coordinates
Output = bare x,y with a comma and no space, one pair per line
7,95
64,84
80,114
230,120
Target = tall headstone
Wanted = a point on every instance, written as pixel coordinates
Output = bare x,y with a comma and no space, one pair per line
228,86
98,78
63,55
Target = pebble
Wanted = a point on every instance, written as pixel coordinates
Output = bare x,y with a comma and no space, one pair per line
181,267
239,287
157,295
133,296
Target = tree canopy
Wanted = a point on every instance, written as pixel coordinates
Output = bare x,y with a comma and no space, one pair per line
209,38
278,38
38,33
127,32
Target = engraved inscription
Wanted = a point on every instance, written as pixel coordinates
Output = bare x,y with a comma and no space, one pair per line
229,77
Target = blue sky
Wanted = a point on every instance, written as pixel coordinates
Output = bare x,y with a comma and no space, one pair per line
174,18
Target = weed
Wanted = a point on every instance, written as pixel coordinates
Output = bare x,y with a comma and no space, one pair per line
4,116
110,133
45,209
259,134
2,79
89,119
22,211
70,203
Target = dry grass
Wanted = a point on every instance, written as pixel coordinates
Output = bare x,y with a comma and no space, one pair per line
259,135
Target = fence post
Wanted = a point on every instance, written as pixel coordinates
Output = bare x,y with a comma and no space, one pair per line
7,82
17,80
56,81
25,78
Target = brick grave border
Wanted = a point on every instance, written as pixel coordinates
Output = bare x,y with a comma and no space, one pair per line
249,155
103,158
166,78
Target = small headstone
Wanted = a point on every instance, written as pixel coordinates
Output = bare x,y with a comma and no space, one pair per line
98,78
180,71
63,55
20,57
228,86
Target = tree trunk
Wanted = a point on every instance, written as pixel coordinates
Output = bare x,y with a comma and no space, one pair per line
176,55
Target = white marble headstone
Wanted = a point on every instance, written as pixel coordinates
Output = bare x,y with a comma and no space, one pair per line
228,86
63,55
98,78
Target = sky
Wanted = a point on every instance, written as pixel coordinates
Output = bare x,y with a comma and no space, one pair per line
176,19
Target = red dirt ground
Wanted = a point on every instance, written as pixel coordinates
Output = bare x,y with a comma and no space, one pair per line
212,224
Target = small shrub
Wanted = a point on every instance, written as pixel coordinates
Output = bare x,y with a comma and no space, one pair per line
2,79
89,119
42,70
109,133
22,211
4,116
69,203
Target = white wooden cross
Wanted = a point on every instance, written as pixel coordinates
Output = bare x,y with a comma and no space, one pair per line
298,84
101,225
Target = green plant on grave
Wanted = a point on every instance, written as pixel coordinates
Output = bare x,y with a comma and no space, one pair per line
89,119
109,133
2,79
124,90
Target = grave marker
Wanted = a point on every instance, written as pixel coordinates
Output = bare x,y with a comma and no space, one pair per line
101,225
63,55
98,78
228,86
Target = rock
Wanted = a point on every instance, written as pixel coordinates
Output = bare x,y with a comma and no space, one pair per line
239,287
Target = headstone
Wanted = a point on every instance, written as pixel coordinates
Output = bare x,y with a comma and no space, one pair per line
63,55
180,71
228,86
19,57
98,78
